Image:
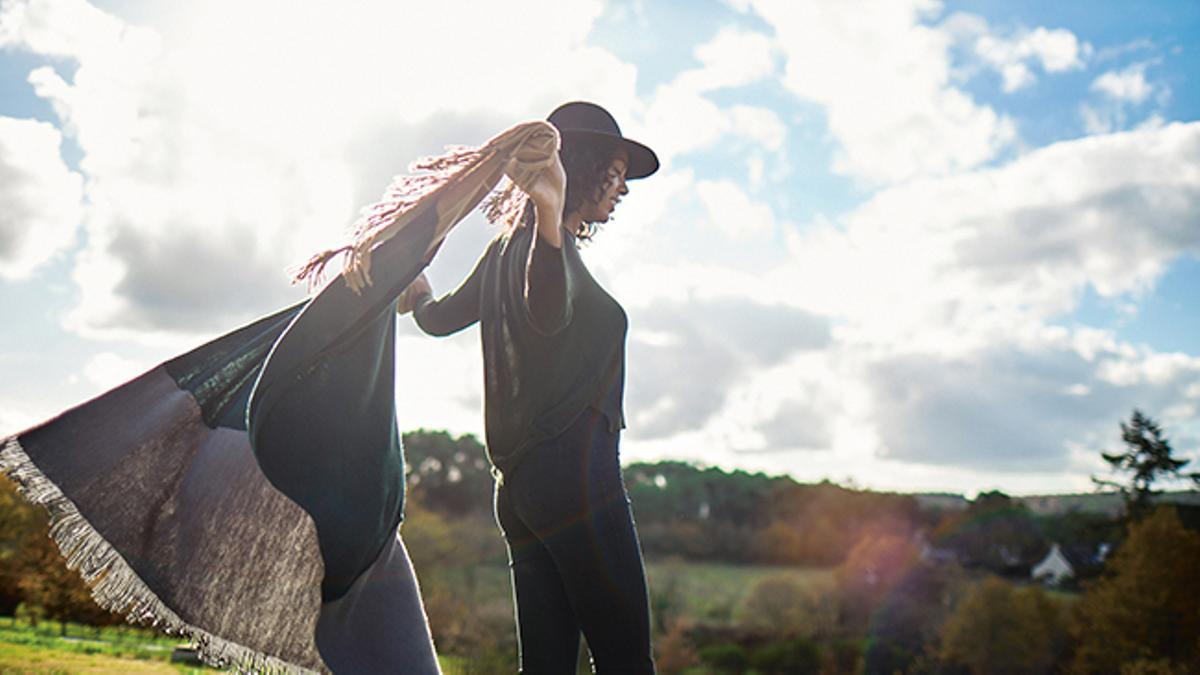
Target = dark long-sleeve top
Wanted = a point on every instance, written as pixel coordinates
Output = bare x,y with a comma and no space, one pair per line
553,340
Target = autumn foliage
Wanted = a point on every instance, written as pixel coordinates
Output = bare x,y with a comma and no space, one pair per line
1144,613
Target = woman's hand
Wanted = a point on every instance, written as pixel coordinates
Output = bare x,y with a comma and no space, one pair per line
417,289
544,182
546,185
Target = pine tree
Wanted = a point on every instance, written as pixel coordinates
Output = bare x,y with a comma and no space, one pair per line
1147,458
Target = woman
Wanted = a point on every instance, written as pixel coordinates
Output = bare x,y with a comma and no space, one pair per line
553,343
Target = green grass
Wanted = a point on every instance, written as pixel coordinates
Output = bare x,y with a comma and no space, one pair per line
704,591
19,658
716,590
41,649
85,649
707,590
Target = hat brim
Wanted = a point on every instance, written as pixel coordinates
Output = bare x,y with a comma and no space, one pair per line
642,160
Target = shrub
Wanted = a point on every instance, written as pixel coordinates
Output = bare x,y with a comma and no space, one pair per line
795,656
673,652
781,605
725,658
998,628
873,567
775,603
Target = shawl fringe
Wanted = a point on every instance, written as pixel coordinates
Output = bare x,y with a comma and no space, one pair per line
113,583
520,152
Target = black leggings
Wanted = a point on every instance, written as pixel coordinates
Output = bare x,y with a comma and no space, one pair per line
574,553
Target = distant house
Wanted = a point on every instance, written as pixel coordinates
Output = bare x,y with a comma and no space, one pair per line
933,554
1054,568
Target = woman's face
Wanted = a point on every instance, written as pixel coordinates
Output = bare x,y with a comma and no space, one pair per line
612,187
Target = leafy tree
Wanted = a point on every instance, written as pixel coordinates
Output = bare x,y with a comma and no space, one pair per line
998,628
60,592
1085,533
20,522
782,606
875,565
1147,459
710,514
996,533
34,573
910,618
448,475
698,513
832,519
1146,608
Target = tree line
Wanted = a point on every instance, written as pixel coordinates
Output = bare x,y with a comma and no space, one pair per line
709,514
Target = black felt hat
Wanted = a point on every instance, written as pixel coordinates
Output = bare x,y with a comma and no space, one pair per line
580,119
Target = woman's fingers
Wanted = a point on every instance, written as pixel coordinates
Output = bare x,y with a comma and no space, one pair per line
419,287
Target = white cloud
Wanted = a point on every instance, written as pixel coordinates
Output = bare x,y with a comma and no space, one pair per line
734,57
62,28
1017,407
941,292
1014,55
40,206
1127,85
1122,95
732,211
107,370
1098,120
214,160
230,140
760,125
959,259
681,118
883,78
13,421
730,342
1057,50
439,382
1023,412
1112,52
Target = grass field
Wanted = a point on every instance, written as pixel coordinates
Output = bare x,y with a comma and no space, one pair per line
25,649
716,590
704,590
17,658
44,649
707,590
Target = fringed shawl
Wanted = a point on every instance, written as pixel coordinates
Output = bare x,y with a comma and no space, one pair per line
247,494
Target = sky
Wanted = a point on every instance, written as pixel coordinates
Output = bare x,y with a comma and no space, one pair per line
900,244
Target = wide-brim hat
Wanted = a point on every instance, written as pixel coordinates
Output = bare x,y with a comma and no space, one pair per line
581,120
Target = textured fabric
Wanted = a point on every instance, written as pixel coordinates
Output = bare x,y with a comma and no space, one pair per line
546,357
574,553
242,489
247,494
173,522
377,625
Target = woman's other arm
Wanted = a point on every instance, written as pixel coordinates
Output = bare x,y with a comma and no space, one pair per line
450,313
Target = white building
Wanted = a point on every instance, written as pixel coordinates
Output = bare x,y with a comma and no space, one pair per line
1054,568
